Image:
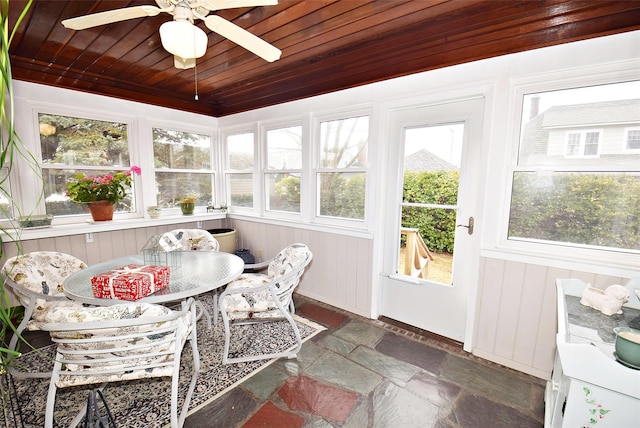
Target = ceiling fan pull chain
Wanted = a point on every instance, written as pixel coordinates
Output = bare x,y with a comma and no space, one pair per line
195,67
195,72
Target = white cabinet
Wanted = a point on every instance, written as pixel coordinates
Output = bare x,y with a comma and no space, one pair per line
589,388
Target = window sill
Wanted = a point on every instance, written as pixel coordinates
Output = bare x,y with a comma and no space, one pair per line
622,268
105,226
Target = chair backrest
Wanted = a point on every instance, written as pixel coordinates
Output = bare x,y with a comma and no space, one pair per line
288,266
196,240
120,342
41,273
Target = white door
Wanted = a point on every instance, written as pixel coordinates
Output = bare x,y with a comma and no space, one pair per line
417,288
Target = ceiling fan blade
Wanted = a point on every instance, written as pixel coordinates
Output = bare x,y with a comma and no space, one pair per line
243,38
109,16
230,4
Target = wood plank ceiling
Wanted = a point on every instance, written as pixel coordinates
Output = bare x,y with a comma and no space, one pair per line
326,46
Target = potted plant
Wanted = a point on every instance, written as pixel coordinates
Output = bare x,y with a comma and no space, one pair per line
188,204
101,192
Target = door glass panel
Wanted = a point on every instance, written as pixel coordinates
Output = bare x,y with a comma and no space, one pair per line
432,159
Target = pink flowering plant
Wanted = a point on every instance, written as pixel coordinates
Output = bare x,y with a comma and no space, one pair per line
108,187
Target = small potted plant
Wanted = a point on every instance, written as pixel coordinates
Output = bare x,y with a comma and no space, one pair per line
101,192
188,204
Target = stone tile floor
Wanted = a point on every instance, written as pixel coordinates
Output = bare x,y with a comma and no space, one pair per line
363,373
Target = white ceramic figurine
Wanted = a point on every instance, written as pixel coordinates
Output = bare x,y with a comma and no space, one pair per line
608,301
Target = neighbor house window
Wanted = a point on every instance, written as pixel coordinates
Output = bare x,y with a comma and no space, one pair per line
284,166
583,143
240,161
574,185
183,166
341,168
72,145
632,140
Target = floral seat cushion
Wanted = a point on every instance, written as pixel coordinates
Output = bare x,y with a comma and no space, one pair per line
260,301
157,345
196,240
238,305
42,273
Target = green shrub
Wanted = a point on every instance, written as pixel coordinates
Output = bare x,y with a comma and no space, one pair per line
436,226
590,209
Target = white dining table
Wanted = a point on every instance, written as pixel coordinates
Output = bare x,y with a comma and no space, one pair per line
199,272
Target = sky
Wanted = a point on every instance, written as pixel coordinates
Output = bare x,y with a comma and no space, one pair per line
592,94
444,141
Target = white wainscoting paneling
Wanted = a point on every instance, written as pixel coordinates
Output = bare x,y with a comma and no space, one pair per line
516,320
340,273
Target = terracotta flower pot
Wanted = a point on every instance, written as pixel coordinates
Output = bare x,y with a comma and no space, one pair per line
101,210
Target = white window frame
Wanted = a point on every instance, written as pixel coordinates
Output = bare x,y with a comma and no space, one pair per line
264,168
227,171
557,254
627,131
30,180
359,224
582,143
214,154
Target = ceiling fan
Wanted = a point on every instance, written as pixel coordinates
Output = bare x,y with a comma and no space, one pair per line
181,37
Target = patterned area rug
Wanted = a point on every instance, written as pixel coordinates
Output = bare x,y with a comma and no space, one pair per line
146,403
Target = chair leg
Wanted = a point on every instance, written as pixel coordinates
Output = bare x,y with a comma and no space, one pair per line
13,345
51,395
227,337
194,343
192,387
289,354
296,331
28,311
174,399
193,338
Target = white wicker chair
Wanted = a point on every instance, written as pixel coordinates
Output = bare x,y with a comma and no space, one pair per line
266,297
36,278
121,342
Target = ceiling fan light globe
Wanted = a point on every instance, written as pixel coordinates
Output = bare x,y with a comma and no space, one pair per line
183,39
183,63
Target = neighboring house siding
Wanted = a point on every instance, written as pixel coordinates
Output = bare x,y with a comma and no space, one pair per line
545,136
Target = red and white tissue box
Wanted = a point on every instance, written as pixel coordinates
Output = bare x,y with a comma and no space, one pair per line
130,282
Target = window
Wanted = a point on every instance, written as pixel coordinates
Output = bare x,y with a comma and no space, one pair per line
342,167
583,143
284,166
183,166
632,140
71,145
574,185
240,161
573,144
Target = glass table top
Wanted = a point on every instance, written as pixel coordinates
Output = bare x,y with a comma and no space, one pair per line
199,272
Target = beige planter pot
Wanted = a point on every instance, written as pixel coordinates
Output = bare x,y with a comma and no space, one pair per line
226,238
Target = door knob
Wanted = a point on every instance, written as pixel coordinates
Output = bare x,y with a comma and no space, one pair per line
468,226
